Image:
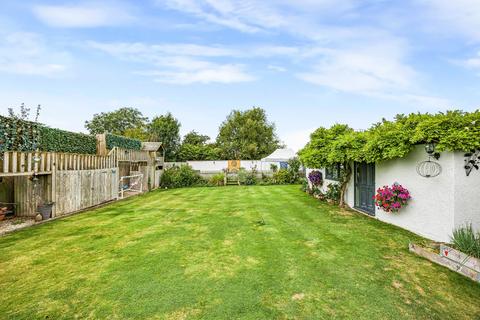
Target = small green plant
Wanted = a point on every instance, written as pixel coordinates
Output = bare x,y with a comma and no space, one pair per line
466,240
273,167
333,192
251,177
294,165
217,180
305,186
282,176
179,177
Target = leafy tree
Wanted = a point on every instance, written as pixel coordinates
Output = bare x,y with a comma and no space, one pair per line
116,122
166,129
140,133
195,147
247,135
195,138
329,147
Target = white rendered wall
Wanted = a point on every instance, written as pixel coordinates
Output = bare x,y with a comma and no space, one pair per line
467,194
430,212
438,205
217,166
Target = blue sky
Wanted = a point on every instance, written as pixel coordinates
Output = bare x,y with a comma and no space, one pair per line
309,63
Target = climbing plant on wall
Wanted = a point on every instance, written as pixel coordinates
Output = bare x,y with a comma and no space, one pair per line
19,133
339,144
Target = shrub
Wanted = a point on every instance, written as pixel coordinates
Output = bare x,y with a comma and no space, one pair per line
392,199
305,187
251,177
465,240
273,167
294,165
217,180
333,192
122,142
180,177
282,176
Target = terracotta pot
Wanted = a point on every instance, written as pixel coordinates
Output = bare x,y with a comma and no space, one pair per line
2,216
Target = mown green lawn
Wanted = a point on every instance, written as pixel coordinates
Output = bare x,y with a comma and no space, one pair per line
224,253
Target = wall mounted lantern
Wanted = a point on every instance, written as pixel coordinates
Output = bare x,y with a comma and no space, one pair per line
472,160
429,168
430,149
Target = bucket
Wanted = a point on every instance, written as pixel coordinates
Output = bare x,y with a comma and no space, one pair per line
45,210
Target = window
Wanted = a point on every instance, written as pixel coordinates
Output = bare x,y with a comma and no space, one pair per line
333,172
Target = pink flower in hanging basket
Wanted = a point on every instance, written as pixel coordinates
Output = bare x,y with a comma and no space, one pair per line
392,199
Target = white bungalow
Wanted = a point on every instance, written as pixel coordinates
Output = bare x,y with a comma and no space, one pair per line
440,203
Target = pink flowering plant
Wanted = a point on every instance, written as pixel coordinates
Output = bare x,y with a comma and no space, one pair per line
392,199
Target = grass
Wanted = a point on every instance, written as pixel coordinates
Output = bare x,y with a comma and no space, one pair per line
224,253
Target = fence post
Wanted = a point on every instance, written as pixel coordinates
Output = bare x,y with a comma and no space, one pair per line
54,185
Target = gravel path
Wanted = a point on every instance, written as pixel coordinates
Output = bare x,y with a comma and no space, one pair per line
14,223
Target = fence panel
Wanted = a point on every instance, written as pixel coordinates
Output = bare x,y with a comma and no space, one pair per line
77,190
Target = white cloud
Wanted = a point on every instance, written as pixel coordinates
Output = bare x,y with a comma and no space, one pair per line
152,52
83,16
202,72
28,54
179,63
246,16
372,70
459,16
276,68
473,62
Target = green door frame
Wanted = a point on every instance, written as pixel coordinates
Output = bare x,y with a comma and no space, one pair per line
364,186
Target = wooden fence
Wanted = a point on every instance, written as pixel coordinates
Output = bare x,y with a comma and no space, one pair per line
76,190
72,181
29,163
29,194
120,154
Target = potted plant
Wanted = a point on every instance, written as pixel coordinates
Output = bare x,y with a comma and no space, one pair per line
45,210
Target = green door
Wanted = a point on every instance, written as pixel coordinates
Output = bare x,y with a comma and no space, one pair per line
365,187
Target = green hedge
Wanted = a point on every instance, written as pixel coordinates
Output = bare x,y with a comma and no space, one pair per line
21,135
122,142
57,140
17,135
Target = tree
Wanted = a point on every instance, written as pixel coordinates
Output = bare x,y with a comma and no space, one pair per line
116,122
247,135
166,129
195,147
195,138
140,133
330,147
